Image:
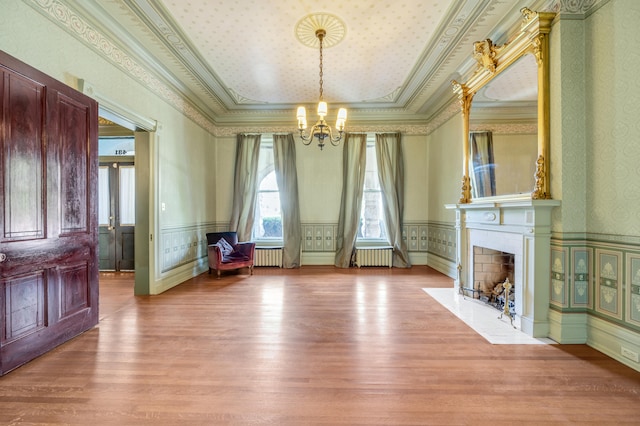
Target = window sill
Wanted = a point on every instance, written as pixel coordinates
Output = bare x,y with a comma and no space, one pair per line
372,243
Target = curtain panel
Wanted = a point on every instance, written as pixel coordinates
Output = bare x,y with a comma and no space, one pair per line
391,174
245,185
284,153
353,168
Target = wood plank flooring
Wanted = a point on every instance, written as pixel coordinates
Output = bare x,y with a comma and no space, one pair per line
317,345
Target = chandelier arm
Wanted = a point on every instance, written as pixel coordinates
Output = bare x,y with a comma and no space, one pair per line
335,141
306,140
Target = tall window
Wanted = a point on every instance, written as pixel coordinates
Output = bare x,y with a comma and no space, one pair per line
372,215
268,218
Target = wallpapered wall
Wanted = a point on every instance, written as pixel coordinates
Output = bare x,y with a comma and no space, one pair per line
595,150
612,125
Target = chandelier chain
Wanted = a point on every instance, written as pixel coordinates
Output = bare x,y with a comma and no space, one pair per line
320,37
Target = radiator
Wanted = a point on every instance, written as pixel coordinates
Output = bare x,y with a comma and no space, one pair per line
268,256
374,256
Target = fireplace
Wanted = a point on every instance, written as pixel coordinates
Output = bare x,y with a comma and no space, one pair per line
521,228
491,269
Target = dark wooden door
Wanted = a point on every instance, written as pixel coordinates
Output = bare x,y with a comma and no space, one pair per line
116,218
48,213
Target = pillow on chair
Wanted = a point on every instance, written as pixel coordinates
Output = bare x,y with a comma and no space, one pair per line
225,247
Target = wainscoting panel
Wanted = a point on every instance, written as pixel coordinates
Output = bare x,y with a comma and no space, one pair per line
318,237
182,245
413,243
602,275
633,285
423,235
442,241
427,239
559,277
609,283
582,290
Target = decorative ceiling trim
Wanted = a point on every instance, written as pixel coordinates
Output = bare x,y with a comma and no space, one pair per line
164,28
506,128
450,38
242,100
391,97
417,129
80,28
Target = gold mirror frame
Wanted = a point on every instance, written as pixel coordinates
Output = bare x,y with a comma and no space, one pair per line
492,60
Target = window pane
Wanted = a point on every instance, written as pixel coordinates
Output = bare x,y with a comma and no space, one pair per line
371,170
371,215
269,182
103,196
371,219
268,219
127,195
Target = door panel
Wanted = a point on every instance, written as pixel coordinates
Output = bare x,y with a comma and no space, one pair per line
24,303
48,213
74,166
22,172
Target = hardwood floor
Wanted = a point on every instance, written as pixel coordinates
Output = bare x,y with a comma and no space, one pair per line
317,345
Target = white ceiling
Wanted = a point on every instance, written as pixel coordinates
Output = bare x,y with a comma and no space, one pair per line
241,58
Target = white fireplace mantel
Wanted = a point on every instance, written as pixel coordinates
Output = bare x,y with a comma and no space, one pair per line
521,227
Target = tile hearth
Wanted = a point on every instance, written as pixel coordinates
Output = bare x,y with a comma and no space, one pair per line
483,319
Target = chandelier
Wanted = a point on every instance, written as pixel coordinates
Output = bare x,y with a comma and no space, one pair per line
321,130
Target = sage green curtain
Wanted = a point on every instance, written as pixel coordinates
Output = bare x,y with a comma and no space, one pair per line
483,178
245,185
391,174
284,155
353,167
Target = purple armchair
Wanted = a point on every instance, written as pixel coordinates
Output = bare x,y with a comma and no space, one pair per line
226,253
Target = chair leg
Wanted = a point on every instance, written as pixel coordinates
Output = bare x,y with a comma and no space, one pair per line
251,270
218,273
209,271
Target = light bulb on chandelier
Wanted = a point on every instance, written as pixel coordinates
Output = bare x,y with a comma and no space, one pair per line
321,130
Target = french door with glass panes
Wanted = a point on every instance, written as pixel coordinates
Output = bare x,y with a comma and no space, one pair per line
116,216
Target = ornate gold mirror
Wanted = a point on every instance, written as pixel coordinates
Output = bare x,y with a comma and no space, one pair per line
505,111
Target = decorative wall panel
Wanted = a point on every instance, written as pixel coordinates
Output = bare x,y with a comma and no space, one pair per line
609,283
582,290
559,277
414,239
633,289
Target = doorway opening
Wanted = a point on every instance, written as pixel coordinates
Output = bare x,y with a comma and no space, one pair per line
116,197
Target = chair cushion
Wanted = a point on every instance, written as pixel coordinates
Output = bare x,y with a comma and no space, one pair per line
234,257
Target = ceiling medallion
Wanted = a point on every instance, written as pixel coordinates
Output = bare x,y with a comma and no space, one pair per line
307,27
